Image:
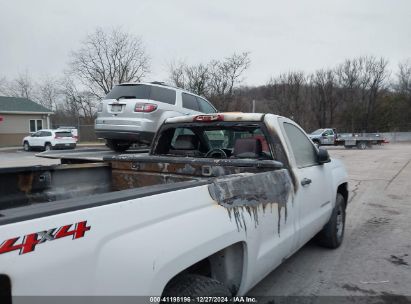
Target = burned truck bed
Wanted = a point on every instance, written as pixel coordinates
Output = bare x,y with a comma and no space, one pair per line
58,188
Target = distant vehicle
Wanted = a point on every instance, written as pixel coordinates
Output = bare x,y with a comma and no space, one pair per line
49,139
73,131
132,112
324,137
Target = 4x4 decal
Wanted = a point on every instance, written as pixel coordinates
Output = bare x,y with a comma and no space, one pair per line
30,241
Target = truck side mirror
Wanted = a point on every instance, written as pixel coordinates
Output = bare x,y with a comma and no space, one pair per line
323,156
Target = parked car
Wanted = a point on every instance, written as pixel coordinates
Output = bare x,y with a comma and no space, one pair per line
132,112
49,139
191,218
73,130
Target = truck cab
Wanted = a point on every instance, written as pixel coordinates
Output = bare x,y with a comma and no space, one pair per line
218,203
324,136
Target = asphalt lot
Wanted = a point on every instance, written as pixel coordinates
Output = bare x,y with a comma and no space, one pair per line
20,158
375,258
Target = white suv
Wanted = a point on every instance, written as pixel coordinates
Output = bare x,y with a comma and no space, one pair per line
49,139
132,112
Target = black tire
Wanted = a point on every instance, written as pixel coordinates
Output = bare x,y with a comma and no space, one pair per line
117,146
26,146
48,147
193,285
362,145
332,235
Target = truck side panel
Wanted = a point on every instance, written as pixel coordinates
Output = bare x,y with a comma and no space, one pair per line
141,242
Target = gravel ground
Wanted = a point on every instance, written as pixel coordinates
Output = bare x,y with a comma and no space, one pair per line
374,262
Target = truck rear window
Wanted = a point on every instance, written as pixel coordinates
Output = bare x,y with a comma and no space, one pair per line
245,141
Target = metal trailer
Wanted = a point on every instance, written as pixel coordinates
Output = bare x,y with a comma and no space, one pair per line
361,141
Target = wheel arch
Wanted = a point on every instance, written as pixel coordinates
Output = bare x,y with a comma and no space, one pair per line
343,190
226,265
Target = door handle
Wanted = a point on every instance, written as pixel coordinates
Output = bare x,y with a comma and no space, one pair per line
305,181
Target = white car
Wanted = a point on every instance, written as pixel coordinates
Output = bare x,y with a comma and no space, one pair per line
73,130
49,139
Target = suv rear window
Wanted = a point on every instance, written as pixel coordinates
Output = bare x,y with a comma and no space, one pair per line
142,91
139,91
64,134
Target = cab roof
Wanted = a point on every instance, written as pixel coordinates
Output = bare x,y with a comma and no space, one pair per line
227,116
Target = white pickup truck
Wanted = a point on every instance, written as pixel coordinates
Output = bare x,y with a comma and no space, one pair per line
218,203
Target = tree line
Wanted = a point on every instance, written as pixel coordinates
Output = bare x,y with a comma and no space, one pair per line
359,94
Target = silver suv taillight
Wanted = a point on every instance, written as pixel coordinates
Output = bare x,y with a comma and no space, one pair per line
145,107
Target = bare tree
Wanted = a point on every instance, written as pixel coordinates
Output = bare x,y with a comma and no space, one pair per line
288,92
228,73
194,78
106,59
404,78
376,73
78,102
323,97
177,74
215,80
197,78
22,86
48,93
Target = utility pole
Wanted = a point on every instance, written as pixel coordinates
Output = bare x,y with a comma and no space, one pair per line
253,106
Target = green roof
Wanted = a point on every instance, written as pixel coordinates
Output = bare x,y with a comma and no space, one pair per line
18,104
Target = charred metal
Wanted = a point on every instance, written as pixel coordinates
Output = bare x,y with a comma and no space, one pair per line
248,192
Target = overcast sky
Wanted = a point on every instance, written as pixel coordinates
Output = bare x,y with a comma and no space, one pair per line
38,35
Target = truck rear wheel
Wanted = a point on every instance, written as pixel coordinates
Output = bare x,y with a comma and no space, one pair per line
333,232
193,285
117,146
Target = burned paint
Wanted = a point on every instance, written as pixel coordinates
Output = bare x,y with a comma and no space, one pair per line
192,166
127,179
248,192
